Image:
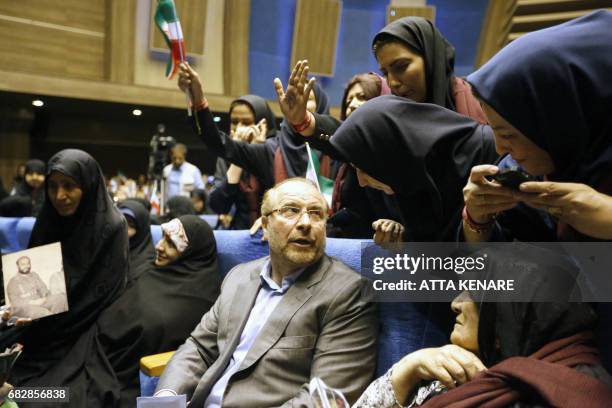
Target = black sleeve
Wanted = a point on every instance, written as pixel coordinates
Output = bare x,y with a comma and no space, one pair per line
254,158
223,197
326,126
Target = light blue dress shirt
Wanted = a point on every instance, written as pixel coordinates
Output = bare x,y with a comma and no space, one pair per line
176,178
268,297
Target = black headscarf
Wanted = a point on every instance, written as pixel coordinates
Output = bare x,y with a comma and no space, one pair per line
177,206
23,189
201,195
295,155
421,36
554,86
16,206
95,257
508,329
142,251
423,152
261,110
32,166
158,312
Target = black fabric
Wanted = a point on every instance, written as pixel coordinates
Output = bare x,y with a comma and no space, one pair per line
16,206
361,206
256,159
201,195
142,251
23,189
225,196
508,329
423,152
95,257
177,206
421,36
159,311
561,76
3,192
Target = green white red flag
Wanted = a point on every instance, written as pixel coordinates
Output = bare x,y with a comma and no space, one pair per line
170,27
324,184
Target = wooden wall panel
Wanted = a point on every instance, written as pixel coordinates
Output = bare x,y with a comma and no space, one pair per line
120,33
236,24
192,14
507,20
315,34
52,39
78,14
102,91
397,12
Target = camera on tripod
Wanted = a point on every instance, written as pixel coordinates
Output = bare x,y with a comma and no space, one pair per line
158,155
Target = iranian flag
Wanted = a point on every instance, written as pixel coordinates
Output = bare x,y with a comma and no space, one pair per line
325,185
170,27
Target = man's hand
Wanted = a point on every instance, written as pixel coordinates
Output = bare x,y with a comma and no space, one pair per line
293,100
189,82
585,209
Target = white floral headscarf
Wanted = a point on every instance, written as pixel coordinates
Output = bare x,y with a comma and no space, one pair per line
174,229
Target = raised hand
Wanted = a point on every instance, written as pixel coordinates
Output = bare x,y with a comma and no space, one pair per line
293,100
189,82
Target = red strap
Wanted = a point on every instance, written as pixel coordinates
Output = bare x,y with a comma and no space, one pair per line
280,170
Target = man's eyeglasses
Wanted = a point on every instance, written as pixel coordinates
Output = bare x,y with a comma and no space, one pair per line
294,213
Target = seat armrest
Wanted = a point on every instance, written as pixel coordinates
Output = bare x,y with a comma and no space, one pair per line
155,364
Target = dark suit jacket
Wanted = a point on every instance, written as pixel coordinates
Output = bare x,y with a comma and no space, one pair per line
324,326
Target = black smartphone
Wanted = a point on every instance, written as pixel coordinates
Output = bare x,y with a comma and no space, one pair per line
512,177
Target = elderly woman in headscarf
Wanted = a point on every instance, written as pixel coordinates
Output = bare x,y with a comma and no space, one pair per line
31,185
157,313
79,213
536,351
142,251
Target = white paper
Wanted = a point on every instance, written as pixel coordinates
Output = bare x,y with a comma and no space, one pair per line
34,282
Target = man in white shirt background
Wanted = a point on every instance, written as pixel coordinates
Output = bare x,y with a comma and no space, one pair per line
181,176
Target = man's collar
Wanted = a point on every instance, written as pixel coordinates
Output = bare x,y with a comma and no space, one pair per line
266,278
311,275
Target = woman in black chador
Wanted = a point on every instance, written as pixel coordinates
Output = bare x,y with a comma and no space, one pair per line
79,213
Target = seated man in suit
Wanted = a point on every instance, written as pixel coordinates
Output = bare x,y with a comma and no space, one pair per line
281,320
